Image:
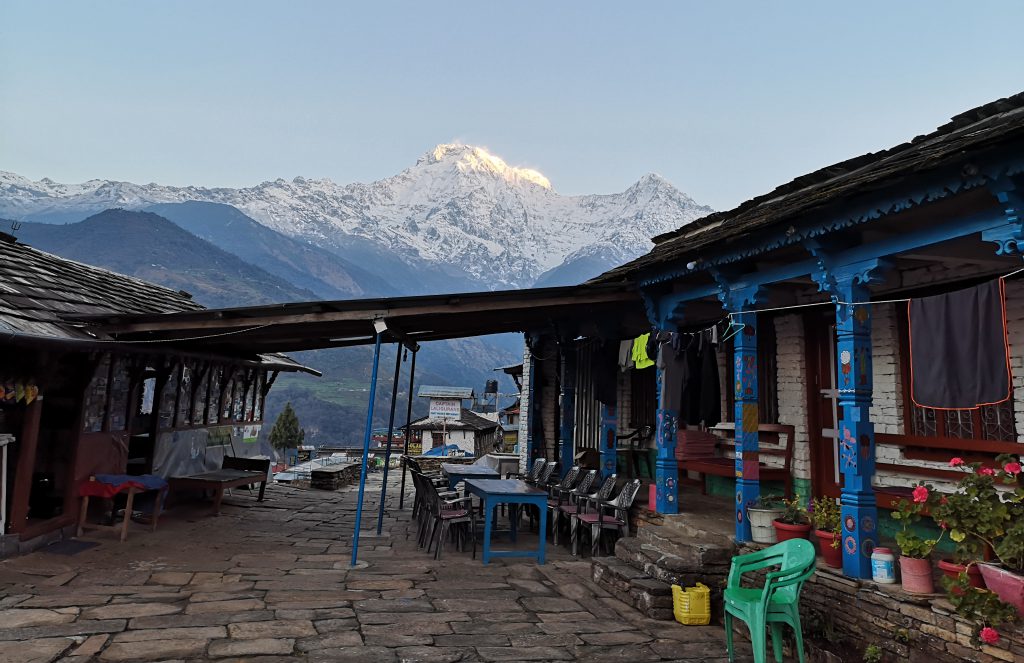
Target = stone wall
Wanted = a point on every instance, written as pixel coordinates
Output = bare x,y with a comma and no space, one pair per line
792,388
842,616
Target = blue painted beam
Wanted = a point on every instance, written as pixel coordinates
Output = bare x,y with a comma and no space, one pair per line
988,222
366,448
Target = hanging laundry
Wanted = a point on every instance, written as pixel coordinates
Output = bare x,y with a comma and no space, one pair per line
672,362
701,402
959,355
640,358
625,355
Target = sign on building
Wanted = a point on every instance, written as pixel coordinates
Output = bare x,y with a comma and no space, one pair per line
445,408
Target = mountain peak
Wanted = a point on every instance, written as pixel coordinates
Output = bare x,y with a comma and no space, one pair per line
477,159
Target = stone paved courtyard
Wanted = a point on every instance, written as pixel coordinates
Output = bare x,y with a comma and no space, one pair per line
271,582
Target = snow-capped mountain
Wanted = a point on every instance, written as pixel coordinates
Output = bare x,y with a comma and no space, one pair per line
459,209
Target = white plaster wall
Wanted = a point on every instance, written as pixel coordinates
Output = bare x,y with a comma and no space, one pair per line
887,394
792,390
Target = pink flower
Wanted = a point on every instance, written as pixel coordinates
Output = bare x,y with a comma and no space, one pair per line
956,462
920,494
1012,468
989,635
987,471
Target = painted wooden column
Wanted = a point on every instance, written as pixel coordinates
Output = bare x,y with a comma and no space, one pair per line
746,418
567,398
666,467
856,432
609,429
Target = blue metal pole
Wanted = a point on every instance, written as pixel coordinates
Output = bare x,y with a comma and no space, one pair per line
366,448
391,434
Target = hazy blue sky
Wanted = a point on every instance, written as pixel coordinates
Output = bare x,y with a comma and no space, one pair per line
725,99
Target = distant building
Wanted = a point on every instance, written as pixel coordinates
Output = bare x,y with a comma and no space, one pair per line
471,432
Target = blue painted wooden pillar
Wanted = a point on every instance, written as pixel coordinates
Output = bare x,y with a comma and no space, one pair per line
567,420
666,467
609,429
747,418
856,432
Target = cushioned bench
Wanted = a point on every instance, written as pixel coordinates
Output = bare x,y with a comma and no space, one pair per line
773,440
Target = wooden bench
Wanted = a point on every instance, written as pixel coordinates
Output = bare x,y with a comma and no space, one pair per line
773,440
234,473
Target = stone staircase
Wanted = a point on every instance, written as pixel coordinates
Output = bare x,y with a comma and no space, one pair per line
683,549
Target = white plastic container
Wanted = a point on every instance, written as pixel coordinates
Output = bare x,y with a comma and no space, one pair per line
883,566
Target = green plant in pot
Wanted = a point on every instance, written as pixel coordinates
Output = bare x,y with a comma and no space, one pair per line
794,523
761,515
825,514
915,550
986,512
980,605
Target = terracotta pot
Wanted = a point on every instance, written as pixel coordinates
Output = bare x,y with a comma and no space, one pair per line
761,530
833,555
916,575
1007,585
785,531
953,570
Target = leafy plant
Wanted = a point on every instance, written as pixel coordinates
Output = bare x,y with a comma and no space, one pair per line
770,502
796,512
909,513
987,510
979,605
826,514
872,654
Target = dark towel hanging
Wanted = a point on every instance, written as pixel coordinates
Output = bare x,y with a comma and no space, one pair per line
959,355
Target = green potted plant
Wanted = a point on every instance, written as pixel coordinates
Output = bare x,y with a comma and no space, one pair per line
825,514
761,515
794,523
987,510
915,550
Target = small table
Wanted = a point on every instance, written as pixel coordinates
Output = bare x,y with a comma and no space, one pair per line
108,485
509,491
457,472
220,480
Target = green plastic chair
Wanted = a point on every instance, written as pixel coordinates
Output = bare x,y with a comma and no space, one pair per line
775,604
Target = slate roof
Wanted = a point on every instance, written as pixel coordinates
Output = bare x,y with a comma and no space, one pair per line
430,391
469,421
38,289
980,128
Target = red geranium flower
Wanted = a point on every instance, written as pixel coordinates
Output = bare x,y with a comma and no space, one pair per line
987,471
1012,468
989,635
920,494
954,462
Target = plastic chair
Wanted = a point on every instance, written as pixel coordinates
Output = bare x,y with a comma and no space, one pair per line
613,514
774,604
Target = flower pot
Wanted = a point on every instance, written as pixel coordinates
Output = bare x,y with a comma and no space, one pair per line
953,570
785,531
761,529
917,575
1007,585
833,555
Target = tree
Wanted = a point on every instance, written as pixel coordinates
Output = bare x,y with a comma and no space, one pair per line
286,433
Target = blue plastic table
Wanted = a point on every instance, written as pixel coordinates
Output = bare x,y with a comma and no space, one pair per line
509,491
457,472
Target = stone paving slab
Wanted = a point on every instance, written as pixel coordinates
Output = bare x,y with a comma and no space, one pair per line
270,582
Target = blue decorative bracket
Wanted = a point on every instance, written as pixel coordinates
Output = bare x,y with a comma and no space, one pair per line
1010,237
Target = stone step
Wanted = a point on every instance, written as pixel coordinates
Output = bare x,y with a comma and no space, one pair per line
700,549
651,597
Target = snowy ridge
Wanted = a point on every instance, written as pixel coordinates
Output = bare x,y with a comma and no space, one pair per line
458,207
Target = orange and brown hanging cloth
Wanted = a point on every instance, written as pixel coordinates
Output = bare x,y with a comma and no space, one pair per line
959,354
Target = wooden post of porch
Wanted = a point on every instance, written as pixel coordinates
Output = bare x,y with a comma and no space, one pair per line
27,444
666,467
747,417
567,421
856,433
609,429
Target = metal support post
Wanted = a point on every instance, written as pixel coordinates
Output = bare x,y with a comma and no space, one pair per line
391,433
408,425
366,447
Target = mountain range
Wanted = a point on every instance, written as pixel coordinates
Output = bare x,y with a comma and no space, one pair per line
460,219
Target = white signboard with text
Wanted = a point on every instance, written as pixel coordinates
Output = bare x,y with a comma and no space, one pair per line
445,408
